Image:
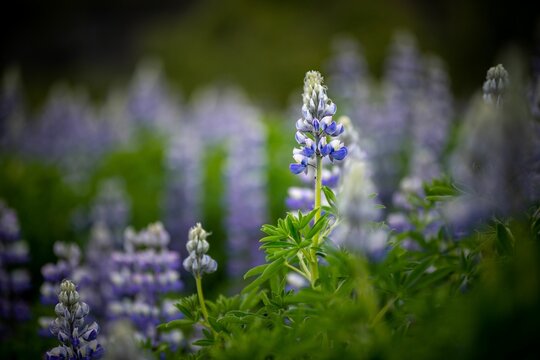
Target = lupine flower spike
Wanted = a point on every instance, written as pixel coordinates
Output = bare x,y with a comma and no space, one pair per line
78,340
198,263
495,85
316,126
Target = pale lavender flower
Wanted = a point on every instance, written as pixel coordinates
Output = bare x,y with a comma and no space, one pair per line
183,196
93,276
144,272
198,262
67,133
112,207
349,77
496,85
245,195
358,210
150,103
495,162
14,277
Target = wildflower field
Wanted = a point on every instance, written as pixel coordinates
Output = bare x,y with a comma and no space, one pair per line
376,216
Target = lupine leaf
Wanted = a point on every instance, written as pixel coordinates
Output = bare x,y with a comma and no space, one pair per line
417,273
255,271
317,227
268,272
307,219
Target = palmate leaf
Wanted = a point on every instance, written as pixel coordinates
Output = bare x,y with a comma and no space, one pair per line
255,271
269,271
176,324
318,226
417,273
306,219
330,197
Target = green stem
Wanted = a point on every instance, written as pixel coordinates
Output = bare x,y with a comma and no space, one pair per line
318,190
383,311
297,271
201,298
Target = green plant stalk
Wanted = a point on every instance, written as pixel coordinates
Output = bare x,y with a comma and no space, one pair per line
201,298
318,190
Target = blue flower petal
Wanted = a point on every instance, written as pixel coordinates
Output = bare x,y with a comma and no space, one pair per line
308,151
331,128
297,168
316,124
340,154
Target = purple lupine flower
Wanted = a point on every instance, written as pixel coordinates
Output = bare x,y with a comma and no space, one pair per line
358,208
316,126
67,133
183,197
67,266
433,110
142,273
495,85
245,195
69,259
78,340
93,276
112,207
150,102
495,162
14,278
359,212
216,111
349,77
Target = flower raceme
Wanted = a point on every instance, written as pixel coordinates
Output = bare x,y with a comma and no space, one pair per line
316,126
198,262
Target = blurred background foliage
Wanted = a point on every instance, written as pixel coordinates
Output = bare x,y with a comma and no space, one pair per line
265,47
261,45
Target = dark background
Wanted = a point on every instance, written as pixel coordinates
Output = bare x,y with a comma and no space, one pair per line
264,45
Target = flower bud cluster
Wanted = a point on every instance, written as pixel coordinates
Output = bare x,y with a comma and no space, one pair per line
316,126
69,258
78,341
495,85
198,262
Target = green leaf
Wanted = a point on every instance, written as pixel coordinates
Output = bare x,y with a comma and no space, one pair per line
330,196
317,227
504,239
204,342
307,219
255,271
276,245
270,229
175,324
433,277
271,238
417,273
436,198
268,272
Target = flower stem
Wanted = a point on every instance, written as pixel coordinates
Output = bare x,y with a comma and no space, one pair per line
201,298
318,189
